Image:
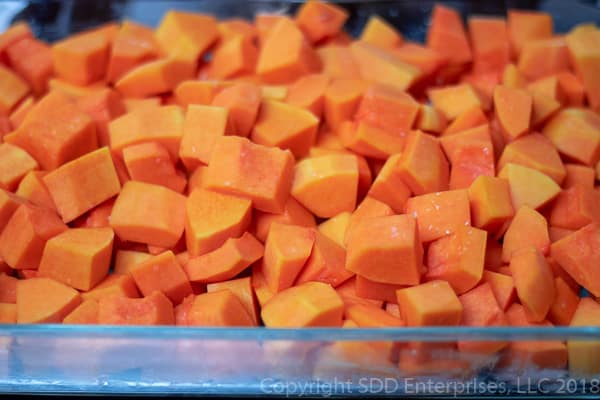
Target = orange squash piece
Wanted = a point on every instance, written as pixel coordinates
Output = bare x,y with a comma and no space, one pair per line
572,88
480,308
455,100
576,134
285,126
471,154
33,189
164,274
149,214
185,35
525,26
577,174
308,92
293,214
154,77
99,217
541,58
428,61
212,218
467,119
197,178
533,281
491,46
14,33
8,289
32,60
368,208
234,58
102,106
243,290
386,250
369,289
389,109
379,33
326,263
558,233
565,303
163,125
575,208
447,35
389,187
422,164
44,300
218,308
551,354
287,249
320,20
242,100
151,163
543,106
368,140
537,152
15,164
261,289
155,309
371,317
491,204
316,304
502,286
55,131
285,54
513,109
234,256
512,77
81,59
338,62
16,117
8,313
347,292
133,45
202,126
431,120
439,214
429,304
133,104
527,229
332,177
127,260
115,284
335,227
341,101
72,90
85,313
584,356
81,184
580,264
458,258
528,186
24,236
245,176
196,92
383,67
583,43
79,258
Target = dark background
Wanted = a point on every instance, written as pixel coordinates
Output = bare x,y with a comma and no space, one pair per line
54,19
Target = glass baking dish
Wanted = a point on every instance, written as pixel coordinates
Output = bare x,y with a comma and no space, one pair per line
279,362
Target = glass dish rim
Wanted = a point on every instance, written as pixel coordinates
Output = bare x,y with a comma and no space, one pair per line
263,334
